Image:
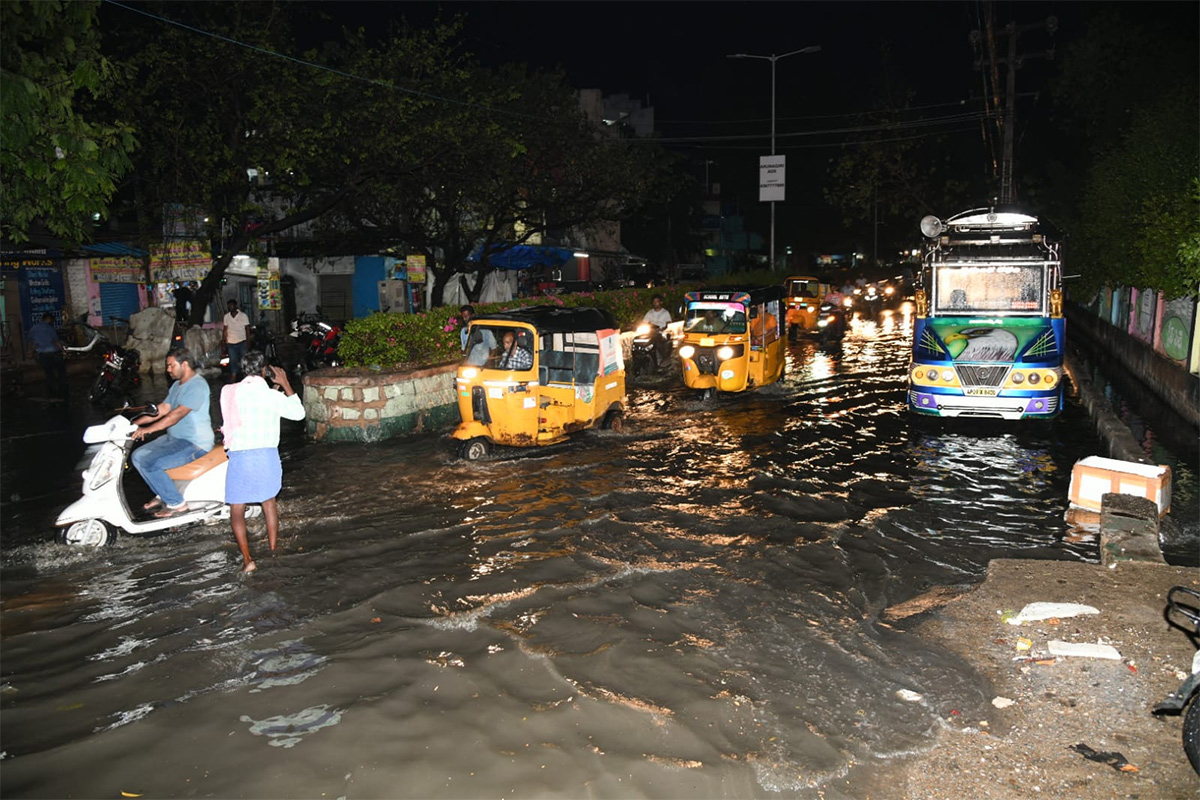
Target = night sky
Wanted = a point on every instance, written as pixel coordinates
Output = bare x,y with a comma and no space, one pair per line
674,55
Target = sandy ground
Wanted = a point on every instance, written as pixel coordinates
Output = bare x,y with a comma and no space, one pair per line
1026,749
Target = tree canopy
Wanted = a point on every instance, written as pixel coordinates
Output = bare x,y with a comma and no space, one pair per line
60,156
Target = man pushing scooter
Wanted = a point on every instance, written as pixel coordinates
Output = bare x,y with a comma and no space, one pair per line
184,415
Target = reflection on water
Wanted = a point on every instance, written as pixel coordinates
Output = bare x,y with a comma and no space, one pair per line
688,608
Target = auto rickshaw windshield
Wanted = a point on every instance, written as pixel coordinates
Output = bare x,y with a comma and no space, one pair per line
498,347
715,317
804,289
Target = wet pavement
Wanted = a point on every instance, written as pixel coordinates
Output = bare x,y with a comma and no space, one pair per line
689,608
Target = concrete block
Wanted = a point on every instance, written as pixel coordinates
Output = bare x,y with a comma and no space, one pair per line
347,394
370,394
1129,530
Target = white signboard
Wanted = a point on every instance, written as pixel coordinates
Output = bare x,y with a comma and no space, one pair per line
770,178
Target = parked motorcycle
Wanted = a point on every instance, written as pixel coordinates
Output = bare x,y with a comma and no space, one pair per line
1185,697
649,350
121,371
319,338
831,323
94,519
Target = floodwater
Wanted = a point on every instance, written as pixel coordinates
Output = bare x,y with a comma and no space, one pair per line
689,608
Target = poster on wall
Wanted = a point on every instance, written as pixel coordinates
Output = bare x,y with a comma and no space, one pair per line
175,262
1142,312
1179,315
117,269
416,269
41,290
269,297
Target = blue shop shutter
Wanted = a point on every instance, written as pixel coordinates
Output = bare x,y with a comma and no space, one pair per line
118,300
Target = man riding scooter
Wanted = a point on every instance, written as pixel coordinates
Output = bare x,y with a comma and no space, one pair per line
184,415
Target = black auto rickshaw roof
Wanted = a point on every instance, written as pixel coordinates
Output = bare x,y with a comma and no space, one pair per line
556,319
758,294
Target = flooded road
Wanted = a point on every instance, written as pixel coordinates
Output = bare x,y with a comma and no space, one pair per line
690,608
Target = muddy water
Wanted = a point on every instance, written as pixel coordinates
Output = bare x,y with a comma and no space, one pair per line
690,608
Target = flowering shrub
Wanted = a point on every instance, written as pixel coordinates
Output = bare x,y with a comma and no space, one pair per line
405,341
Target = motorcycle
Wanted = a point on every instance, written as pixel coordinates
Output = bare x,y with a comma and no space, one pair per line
121,371
649,350
94,519
831,323
1186,695
319,338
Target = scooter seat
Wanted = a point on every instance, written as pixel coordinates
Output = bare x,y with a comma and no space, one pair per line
194,469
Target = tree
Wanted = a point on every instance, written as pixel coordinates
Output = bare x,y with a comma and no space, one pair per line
511,160
1126,101
263,140
59,156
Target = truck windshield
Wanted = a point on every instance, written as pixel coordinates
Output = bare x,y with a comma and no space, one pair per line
993,288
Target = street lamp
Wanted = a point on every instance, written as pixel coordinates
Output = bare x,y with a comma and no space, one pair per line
773,58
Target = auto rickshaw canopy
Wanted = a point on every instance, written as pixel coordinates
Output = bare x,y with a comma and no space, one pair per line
555,319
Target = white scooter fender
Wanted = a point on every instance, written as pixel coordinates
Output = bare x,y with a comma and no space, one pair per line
95,517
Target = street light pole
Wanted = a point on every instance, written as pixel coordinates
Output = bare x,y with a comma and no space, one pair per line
773,58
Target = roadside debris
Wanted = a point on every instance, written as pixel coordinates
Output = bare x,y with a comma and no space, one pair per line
1082,650
1002,702
1113,759
909,695
1034,612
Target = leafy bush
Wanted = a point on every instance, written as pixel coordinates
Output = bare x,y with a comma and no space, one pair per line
405,341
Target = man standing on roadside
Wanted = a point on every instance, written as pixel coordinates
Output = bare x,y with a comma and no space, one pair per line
250,413
237,323
48,348
185,417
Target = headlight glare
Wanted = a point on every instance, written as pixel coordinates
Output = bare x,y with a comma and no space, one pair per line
687,351
725,353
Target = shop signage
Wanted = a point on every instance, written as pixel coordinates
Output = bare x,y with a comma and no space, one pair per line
416,269
179,261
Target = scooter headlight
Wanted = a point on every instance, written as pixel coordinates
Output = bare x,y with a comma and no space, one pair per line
104,468
848,302
643,329
823,321
725,353
687,351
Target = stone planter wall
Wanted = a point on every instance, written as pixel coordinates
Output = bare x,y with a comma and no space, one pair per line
357,405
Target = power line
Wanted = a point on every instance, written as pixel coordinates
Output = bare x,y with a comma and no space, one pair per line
810,116
342,73
903,125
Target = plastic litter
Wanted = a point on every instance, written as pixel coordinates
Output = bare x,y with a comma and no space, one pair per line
910,696
1034,612
1002,702
1082,650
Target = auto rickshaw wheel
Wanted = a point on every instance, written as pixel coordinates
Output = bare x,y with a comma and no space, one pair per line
474,449
614,420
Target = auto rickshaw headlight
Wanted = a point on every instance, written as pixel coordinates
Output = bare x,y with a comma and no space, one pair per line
687,351
725,353
470,372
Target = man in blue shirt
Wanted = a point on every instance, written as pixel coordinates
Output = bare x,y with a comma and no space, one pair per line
48,348
185,417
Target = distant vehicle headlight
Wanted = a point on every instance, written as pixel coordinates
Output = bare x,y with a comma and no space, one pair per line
643,329
687,351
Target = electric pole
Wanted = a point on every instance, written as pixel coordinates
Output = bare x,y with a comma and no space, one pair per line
986,40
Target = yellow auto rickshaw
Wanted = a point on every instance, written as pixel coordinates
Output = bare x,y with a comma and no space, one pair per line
531,376
733,339
804,295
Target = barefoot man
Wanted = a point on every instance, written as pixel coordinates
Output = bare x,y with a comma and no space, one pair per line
251,411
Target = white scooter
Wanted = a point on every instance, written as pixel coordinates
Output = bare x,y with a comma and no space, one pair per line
93,520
